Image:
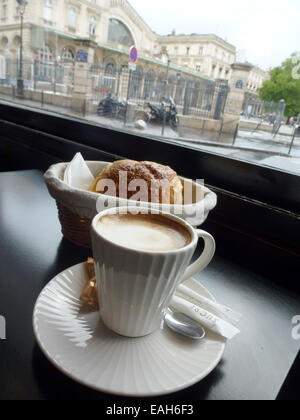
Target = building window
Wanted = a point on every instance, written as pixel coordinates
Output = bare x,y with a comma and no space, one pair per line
92,26
67,55
188,50
198,67
72,17
4,9
118,33
93,1
44,68
110,76
201,50
48,10
176,50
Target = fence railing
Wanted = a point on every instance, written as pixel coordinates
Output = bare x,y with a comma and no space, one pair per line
255,108
195,97
47,75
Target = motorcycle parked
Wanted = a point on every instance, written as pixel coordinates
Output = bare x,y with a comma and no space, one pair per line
157,114
109,107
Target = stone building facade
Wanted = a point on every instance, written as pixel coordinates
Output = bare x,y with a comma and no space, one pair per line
51,28
208,55
56,31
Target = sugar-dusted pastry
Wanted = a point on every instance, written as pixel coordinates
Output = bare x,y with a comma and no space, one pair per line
161,183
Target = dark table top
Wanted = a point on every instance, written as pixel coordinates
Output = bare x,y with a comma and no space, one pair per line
32,252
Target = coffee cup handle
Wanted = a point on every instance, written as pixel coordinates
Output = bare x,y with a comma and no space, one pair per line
205,258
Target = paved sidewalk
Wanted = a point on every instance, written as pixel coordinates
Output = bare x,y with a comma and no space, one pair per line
259,147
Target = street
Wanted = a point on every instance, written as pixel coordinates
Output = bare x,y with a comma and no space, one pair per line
259,147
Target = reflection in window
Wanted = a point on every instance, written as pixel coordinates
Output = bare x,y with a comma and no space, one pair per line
72,17
117,32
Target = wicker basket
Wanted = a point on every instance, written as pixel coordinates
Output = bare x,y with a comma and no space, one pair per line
77,208
75,228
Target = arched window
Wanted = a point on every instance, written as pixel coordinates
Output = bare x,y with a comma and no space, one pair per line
45,53
72,17
136,83
48,10
67,55
44,67
6,59
118,33
110,76
92,27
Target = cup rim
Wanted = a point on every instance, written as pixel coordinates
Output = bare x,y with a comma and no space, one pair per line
177,219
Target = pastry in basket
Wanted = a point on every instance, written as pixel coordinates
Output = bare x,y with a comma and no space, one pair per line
161,183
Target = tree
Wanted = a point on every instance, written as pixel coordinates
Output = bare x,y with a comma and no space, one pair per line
284,84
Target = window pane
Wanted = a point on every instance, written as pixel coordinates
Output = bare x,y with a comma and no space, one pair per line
212,90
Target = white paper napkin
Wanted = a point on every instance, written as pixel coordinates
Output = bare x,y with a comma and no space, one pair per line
78,175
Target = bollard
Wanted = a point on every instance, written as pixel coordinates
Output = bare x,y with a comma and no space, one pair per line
236,134
84,108
221,128
42,99
293,139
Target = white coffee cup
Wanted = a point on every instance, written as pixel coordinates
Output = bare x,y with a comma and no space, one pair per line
136,286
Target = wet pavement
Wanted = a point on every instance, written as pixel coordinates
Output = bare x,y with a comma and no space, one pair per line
259,147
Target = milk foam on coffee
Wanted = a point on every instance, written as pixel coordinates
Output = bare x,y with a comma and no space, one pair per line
144,232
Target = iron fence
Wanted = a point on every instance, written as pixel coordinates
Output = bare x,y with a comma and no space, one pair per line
39,74
255,108
195,97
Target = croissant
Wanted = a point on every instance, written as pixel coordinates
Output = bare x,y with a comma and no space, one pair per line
161,183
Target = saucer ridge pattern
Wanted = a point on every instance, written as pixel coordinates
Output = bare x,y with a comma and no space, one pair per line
74,339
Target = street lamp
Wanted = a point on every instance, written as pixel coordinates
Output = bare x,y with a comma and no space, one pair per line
20,82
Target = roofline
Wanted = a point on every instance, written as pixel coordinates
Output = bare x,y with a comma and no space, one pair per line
197,35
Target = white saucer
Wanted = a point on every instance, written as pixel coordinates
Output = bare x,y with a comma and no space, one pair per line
79,345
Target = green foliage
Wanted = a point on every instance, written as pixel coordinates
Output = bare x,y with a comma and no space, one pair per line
284,84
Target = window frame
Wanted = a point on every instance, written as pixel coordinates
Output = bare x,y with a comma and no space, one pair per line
70,16
48,9
250,181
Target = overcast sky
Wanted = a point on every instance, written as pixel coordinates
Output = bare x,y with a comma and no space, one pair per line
267,30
